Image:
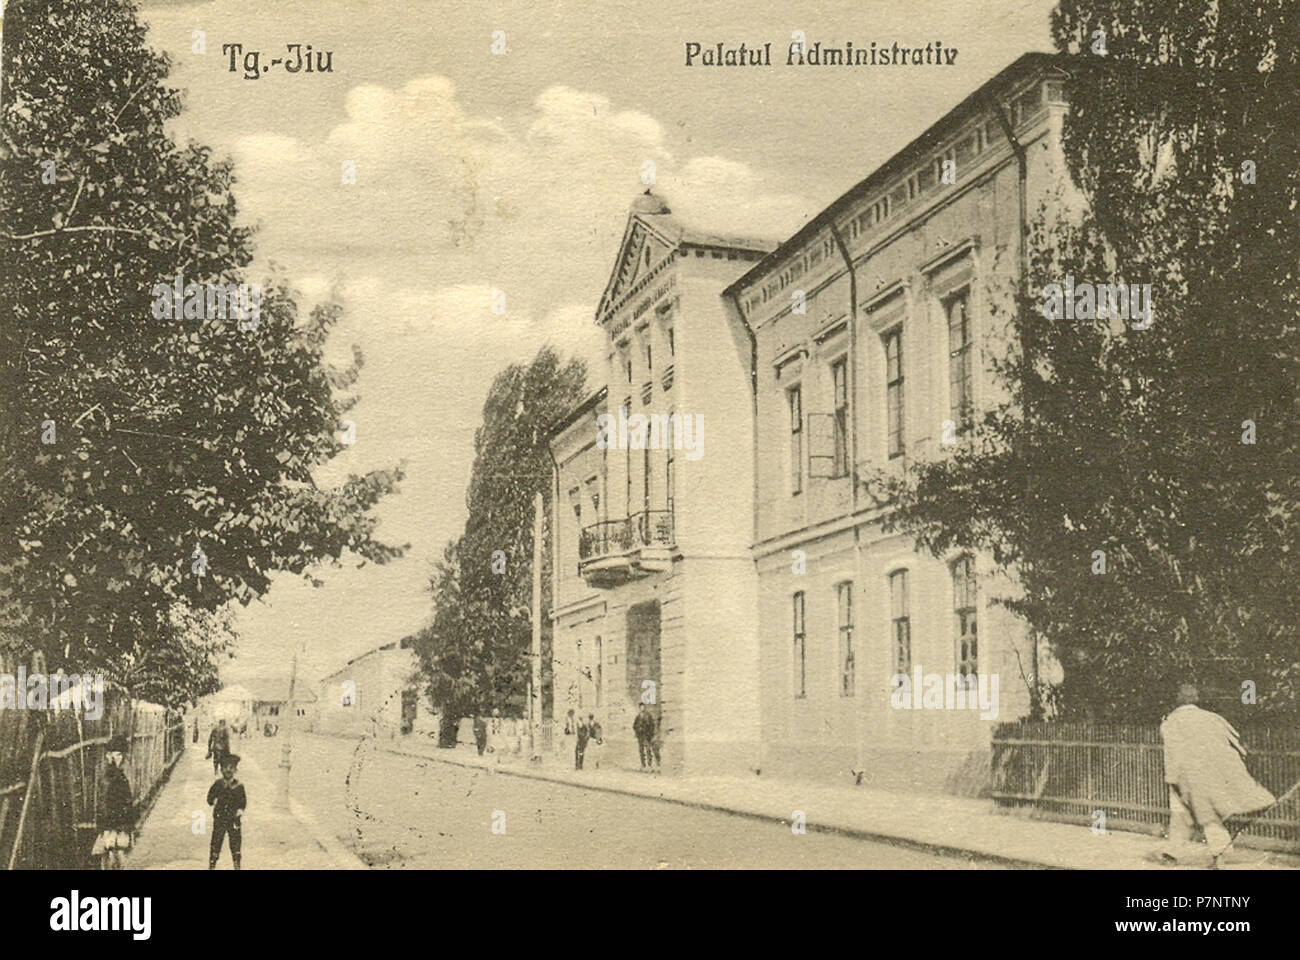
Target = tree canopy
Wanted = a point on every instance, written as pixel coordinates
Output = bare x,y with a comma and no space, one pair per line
1141,483
475,651
153,468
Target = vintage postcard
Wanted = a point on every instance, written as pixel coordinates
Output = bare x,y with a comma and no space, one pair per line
573,434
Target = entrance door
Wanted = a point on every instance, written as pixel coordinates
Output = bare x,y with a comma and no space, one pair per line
644,681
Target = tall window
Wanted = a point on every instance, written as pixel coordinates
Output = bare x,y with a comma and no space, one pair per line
901,621
840,385
800,648
795,398
600,670
575,503
593,497
645,484
583,676
957,309
847,666
670,480
628,365
672,347
627,458
649,359
894,389
965,597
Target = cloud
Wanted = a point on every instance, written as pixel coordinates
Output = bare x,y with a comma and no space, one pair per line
450,213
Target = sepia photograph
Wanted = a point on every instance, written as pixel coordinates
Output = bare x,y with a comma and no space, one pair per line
614,434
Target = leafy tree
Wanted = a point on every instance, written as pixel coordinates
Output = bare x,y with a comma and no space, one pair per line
1171,449
475,652
146,461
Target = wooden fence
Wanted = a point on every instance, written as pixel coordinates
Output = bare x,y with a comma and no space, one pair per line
1067,771
51,772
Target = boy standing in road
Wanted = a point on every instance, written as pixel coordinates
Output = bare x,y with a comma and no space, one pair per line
227,799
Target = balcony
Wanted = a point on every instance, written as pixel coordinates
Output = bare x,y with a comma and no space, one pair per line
613,552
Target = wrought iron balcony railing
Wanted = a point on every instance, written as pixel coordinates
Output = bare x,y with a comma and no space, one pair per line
651,528
606,537
655,528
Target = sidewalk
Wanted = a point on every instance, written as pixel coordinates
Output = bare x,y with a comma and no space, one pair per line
939,823
273,839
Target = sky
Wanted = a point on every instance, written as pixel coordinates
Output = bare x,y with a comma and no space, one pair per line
480,171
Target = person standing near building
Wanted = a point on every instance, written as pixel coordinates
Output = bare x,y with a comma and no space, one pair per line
596,739
644,728
657,742
580,744
228,799
1207,777
218,744
480,733
115,813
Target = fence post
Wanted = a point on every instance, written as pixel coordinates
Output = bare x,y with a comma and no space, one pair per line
27,796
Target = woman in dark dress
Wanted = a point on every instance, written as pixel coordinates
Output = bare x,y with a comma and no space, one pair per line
115,815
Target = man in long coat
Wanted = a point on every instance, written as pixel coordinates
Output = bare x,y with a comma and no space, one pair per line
218,744
1207,777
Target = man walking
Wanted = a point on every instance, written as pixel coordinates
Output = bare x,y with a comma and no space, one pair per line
584,734
218,744
480,733
1207,777
644,728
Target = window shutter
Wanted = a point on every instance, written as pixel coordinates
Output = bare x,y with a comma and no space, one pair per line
821,445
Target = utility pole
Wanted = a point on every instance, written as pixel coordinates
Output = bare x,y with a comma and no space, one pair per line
286,751
535,685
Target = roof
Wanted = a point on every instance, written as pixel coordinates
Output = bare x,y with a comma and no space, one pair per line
406,643
277,690
1023,66
570,416
652,213
232,692
653,210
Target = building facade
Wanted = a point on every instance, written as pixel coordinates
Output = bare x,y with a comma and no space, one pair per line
374,695
654,581
782,611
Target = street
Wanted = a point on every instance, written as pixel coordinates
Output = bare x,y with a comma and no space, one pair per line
405,811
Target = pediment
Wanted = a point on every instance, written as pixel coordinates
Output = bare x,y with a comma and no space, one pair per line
643,249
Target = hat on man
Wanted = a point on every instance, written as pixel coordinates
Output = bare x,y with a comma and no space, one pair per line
117,745
230,759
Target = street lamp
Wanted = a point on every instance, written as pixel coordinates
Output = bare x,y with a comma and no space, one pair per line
286,750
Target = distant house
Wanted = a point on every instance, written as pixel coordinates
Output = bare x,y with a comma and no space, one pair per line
374,695
229,703
269,702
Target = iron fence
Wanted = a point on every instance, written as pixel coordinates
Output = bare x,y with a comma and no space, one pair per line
1069,771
